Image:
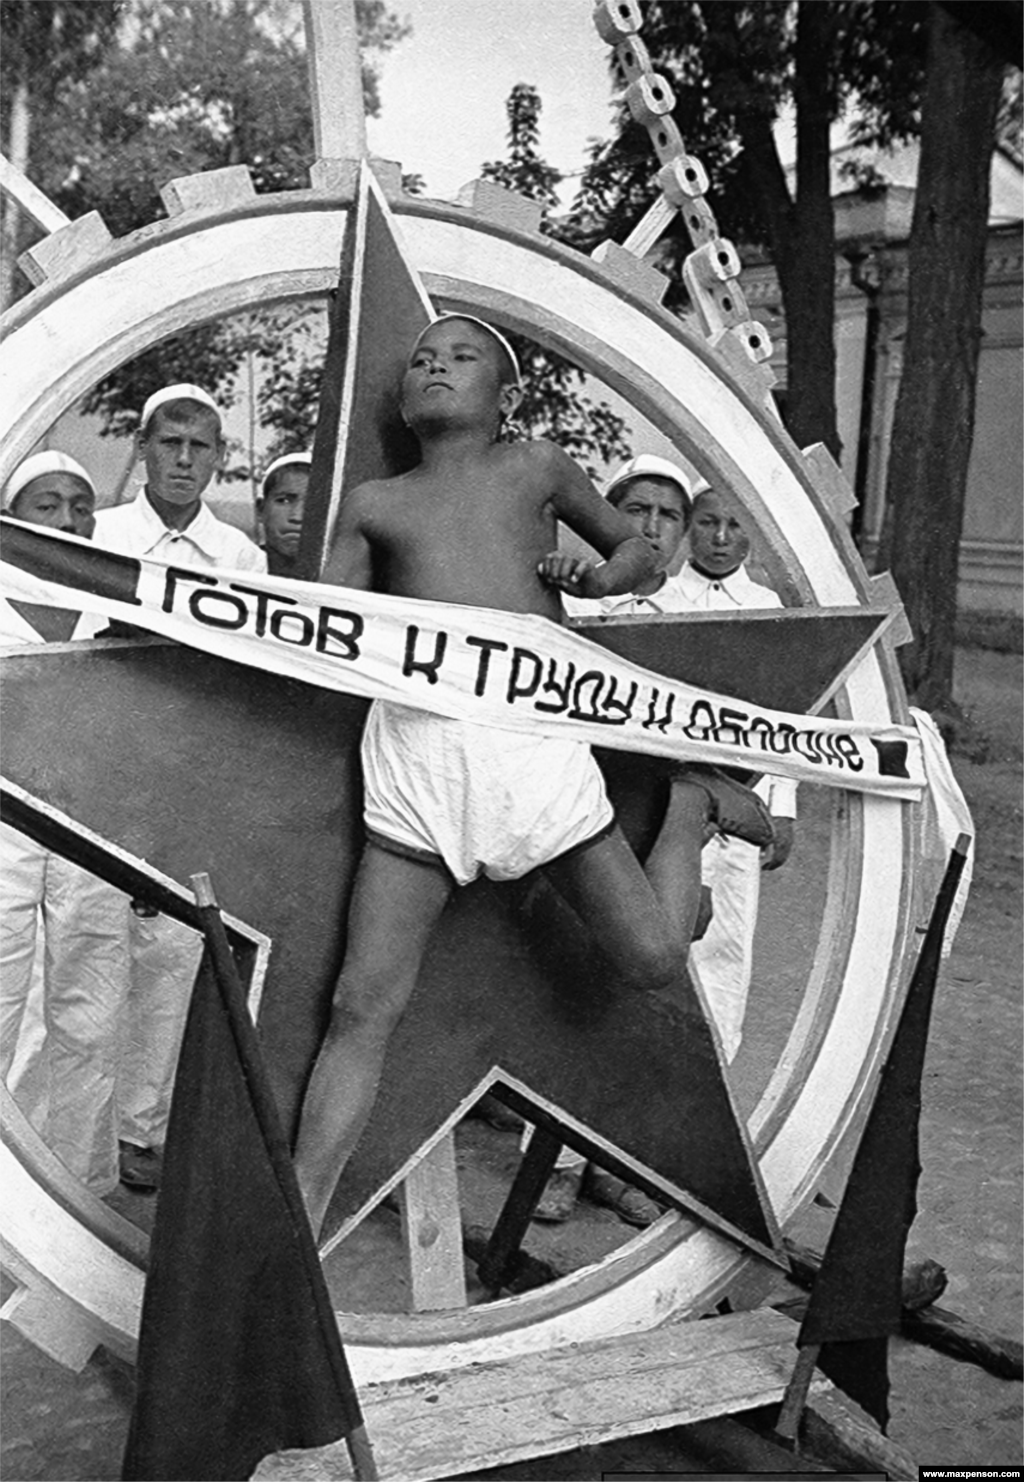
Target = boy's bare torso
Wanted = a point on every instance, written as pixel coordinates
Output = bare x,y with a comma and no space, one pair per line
470,531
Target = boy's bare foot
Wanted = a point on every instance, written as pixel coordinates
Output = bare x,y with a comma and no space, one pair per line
735,809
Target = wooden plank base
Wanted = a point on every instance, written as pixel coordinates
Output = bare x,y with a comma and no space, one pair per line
466,1420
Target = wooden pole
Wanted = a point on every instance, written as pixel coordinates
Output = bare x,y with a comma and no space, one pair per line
335,79
793,1401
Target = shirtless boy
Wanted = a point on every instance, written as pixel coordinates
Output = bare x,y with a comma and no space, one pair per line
475,523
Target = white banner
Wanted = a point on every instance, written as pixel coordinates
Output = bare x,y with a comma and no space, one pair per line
503,669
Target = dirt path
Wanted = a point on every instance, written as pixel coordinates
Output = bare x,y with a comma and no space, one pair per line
71,1428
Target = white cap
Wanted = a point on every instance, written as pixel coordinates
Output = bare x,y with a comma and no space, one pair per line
39,464
495,334
181,392
649,466
286,460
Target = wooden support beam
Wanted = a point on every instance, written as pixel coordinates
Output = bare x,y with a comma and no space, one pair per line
538,1163
432,1231
948,1333
335,79
840,1438
492,1414
36,205
922,1321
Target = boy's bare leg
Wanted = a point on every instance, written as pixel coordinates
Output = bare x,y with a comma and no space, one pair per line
395,905
642,917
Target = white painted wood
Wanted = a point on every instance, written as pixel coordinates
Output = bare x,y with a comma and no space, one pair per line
69,249
432,1231
511,1409
651,226
336,78
36,205
54,1324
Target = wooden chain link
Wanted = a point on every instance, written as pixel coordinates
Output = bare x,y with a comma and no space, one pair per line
711,271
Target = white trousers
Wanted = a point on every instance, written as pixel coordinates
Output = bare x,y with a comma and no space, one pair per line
164,958
723,958
82,924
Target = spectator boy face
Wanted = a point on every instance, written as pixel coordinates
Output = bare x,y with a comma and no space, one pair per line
58,500
183,448
657,510
282,508
718,542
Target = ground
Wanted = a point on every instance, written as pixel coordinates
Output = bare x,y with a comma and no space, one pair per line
71,1427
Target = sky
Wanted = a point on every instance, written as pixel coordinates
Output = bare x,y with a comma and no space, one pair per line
443,89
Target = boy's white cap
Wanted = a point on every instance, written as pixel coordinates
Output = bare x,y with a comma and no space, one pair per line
649,466
38,464
286,460
181,392
495,334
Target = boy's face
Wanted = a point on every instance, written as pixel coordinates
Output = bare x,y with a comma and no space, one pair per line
456,374
718,542
58,500
282,509
656,510
182,448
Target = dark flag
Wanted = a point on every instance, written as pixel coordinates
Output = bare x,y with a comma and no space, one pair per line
239,1352
855,1302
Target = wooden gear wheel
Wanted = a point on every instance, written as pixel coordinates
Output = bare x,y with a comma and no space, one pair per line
98,303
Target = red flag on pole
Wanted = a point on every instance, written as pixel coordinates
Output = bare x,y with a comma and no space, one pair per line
239,1352
856,1302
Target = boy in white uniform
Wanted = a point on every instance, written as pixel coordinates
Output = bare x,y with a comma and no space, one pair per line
182,443
715,579
68,1075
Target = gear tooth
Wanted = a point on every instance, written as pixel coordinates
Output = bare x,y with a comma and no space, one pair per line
58,1326
503,207
830,481
212,190
883,594
631,272
74,246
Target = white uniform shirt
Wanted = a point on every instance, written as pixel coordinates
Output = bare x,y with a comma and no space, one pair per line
690,591
135,529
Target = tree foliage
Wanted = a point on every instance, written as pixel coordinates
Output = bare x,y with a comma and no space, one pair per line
175,88
46,45
50,43
555,403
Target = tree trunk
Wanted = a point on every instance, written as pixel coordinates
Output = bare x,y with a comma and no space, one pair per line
18,134
801,231
933,427
808,274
